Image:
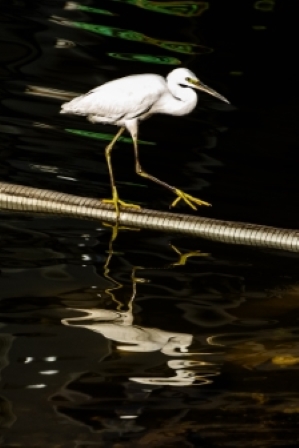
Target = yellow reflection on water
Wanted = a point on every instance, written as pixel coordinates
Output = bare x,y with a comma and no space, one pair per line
285,360
255,355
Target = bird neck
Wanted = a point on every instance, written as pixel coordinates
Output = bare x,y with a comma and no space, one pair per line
181,93
186,97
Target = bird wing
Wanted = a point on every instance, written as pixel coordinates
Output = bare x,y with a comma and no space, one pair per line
125,98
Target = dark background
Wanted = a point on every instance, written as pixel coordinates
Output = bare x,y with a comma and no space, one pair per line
71,387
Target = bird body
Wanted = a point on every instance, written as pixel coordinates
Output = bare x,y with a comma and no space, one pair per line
134,97
126,101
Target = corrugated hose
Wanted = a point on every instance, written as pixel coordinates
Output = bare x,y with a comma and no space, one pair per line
27,199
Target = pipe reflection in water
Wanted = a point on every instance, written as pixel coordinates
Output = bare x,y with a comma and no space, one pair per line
108,31
64,44
74,6
118,326
176,8
48,92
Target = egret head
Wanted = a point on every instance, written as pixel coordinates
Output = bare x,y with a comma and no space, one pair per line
185,78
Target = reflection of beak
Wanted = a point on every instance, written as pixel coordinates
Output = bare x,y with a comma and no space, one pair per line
200,86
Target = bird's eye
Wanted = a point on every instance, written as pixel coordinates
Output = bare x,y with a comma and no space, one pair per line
192,80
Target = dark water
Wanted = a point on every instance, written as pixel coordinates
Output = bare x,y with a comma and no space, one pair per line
136,349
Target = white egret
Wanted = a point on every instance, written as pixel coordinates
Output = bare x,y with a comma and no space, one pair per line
125,101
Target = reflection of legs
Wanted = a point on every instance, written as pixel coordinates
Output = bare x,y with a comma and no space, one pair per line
190,200
111,291
115,199
106,269
184,257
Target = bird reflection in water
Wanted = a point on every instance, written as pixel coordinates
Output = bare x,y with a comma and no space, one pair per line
118,326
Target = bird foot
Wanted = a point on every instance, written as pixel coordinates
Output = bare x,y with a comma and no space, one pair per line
117,202
190,200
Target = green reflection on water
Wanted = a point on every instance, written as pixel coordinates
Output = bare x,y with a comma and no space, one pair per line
265,5
179,47
108,137
95,10
177,8
146,58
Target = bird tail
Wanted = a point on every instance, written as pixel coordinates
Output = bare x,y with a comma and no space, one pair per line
65,108
73,107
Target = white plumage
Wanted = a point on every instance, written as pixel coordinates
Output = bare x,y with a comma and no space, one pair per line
126,101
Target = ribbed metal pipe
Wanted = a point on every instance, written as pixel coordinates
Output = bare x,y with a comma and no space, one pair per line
27,199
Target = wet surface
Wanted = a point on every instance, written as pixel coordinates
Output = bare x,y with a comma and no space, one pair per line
143,347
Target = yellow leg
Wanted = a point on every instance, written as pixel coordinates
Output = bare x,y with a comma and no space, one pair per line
115,199
190,200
